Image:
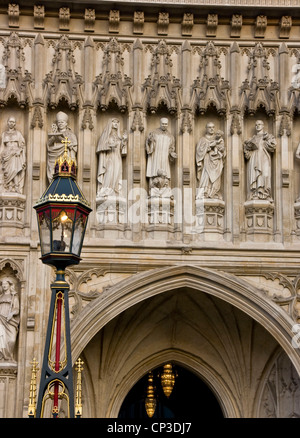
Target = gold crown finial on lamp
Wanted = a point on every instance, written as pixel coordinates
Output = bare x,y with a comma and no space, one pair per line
64,164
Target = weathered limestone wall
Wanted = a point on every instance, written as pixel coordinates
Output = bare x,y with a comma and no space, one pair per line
191,65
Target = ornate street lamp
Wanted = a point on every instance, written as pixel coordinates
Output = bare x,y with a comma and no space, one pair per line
62,214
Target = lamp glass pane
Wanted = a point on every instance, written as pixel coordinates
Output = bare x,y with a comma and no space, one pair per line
62,223
44,225
78,234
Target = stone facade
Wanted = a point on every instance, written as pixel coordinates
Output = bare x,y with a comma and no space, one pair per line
197,268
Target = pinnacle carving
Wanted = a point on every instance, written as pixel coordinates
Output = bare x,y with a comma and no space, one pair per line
17,80
259,90
113,85
210,89
63,83
161,87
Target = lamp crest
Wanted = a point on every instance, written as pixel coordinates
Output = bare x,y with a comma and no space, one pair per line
64,164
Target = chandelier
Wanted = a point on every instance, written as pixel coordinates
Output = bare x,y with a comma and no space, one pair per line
167,381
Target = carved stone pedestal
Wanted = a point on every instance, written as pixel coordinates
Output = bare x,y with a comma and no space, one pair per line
12,206
210,218
161,210
111,210
259,219
8,381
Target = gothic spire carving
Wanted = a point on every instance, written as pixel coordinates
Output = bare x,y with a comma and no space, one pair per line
160,86
17,80
113,85
210,89
63,83
259,90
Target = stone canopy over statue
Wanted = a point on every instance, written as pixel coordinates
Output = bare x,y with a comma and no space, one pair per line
257,151
59,131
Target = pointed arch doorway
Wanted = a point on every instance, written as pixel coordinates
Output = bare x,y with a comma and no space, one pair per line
191,397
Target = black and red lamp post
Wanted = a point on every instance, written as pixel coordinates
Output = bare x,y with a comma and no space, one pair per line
62,214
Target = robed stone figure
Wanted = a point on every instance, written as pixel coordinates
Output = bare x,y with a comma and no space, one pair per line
258,151
210,156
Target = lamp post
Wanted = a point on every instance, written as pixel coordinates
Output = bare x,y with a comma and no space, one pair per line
62,214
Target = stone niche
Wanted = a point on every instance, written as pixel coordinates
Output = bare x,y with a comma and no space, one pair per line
260,202
210,203
12,198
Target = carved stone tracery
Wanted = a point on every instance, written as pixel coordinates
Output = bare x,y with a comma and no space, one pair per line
63,83
161,87
210,89
259,90
113,85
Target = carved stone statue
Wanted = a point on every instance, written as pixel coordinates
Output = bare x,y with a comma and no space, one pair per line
9,319
257,151
2,76
160,148
159,187
55,147
210,156
111,147
13,158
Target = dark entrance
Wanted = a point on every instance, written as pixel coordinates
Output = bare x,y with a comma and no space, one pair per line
190,398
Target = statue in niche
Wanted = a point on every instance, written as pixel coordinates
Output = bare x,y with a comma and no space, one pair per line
210,156
9,319
13,158
160,148
2,76
55,147
112,146
257,151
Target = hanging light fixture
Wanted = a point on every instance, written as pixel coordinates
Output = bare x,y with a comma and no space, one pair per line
150,402
167,379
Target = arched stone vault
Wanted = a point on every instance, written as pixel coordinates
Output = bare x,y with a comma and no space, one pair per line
225,286
123,310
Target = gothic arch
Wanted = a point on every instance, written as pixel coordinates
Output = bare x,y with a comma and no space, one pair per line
218,387
225,286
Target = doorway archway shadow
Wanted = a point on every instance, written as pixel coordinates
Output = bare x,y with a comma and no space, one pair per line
190,398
